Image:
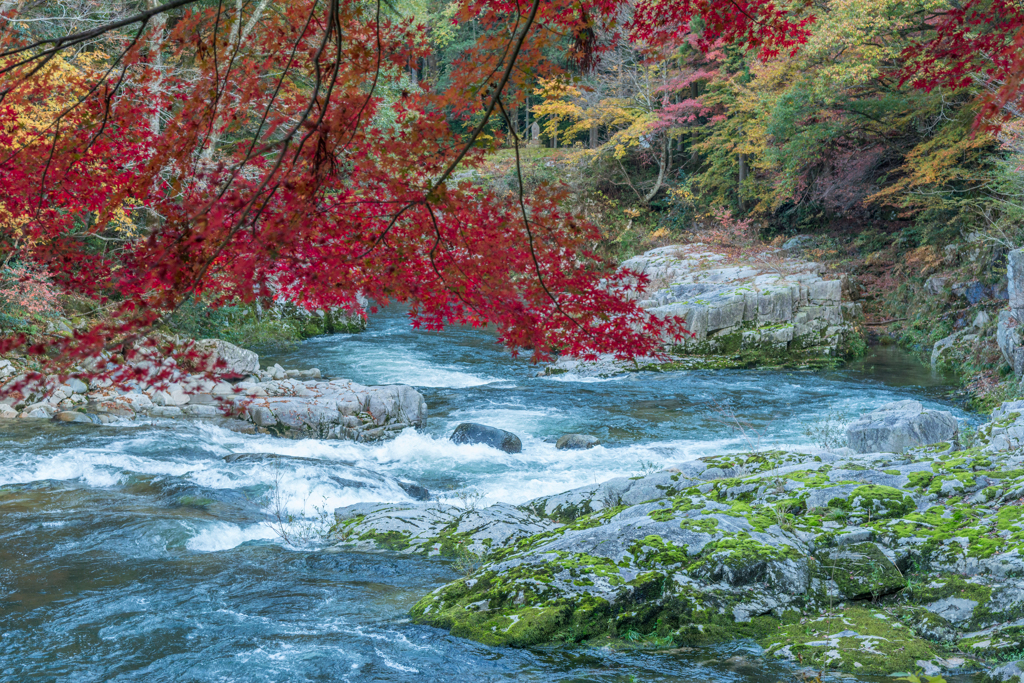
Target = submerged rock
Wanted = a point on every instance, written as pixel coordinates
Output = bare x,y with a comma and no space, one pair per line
73,416
576,442
469,432
897,426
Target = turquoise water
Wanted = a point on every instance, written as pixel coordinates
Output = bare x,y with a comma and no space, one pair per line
137,553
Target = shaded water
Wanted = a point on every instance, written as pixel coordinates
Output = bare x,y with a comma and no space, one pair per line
137,553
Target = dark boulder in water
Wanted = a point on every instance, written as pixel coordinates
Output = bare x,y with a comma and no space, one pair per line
469,432
415,491
576,442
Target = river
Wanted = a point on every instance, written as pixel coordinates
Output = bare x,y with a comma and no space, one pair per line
138,553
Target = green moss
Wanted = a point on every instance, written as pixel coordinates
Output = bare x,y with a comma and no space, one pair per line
860,571
881,502
919,480
1001,644
391,540
854,640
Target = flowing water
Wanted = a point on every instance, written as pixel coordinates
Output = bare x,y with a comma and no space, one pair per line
137,552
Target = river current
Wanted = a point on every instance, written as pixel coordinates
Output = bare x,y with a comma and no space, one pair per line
137,552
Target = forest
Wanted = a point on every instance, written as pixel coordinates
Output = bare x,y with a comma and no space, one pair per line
181,162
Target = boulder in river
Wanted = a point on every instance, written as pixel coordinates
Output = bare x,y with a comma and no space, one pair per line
222,357
576,442
336,409
897,426
470,432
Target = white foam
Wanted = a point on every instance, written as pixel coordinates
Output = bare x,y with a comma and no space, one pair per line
514,417
99,469
396,364
215,536
394,665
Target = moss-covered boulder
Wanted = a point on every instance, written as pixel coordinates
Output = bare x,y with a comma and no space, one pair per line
860,571
864,563
858,639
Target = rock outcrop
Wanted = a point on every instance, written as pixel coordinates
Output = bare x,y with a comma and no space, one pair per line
436,528
1008,333
777,311
896,427
867,563
224,358
339,409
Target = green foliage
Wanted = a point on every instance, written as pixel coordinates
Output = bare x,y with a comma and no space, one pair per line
242,325
253,325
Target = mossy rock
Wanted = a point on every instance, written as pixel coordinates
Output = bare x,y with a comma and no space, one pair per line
881,502
857,640
860,571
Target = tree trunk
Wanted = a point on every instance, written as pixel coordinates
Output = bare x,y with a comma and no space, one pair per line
238,35
157,58
593,136
666,160
743,177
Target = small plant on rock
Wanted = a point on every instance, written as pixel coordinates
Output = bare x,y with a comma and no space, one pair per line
298,531
782,519
970,438
828,432
466,561
646,468
468,499
836,515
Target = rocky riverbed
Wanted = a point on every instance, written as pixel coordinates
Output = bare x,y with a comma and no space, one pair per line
860,562
230,384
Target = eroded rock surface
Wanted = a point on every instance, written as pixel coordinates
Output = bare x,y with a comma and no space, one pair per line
436,528
783,311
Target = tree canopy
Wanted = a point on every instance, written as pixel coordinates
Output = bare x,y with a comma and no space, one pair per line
316,150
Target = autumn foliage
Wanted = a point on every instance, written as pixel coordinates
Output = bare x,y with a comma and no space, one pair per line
287,154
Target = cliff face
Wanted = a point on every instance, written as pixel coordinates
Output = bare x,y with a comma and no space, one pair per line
771,310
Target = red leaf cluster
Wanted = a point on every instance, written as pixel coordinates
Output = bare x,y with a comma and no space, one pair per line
280,165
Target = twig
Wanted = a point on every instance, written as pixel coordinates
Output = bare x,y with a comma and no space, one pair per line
885,322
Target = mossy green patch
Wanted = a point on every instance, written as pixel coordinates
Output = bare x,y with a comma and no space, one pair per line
853,640
860,571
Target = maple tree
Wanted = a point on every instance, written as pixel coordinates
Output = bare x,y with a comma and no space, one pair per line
301,153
